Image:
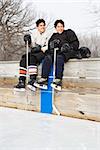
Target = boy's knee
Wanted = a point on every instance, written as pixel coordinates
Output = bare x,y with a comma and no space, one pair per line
48,58
23,56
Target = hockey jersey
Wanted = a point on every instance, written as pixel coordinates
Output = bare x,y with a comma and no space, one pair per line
41,38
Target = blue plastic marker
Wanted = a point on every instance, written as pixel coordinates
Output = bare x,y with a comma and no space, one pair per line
46,96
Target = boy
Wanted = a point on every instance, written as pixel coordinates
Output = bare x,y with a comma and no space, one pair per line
38,42
67,43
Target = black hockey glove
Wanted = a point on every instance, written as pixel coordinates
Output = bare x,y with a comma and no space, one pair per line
65,48
36,49
54,44
27,37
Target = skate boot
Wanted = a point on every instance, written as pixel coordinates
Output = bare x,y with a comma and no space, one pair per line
31,85
20,86
57,84
41,83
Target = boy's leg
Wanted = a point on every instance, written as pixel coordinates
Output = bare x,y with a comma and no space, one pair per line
59,67
22,73
46,66
57,83
22,68
35,60
33,68
33,71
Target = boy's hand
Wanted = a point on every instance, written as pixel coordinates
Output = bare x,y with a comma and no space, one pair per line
43,49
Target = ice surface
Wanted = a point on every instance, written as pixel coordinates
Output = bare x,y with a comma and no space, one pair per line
23,130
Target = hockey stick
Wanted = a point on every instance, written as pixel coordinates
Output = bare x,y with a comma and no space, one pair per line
27,61
27,74
53,91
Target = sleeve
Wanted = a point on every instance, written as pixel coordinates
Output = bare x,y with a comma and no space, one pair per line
49,50
33,38
73,40
50,40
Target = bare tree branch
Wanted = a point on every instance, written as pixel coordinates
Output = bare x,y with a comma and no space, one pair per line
14,19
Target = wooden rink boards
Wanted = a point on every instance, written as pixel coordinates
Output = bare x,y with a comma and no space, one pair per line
69,102
79,98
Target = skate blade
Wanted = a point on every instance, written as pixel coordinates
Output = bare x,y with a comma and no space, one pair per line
58,88
44,87
32,88
20,90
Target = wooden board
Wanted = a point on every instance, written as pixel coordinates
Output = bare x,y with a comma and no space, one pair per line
71,102
83,73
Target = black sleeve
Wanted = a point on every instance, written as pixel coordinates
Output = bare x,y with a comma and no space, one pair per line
73,40
50,40
50,51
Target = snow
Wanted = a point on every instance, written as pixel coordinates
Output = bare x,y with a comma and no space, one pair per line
24,130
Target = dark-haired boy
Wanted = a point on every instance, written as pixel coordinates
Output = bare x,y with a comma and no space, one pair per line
38,42
67,43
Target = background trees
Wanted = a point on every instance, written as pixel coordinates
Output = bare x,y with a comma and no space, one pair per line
14,21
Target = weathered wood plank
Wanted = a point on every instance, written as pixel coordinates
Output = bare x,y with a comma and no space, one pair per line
69,102
85,105
8,97
85,72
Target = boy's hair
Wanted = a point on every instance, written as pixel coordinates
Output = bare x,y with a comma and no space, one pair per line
40,21
59,21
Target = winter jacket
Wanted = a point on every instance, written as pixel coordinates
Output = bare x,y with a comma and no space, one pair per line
40,39
67,42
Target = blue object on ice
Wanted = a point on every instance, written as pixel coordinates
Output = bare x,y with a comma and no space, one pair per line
46,96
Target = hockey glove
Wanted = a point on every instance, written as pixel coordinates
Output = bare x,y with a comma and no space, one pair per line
65,48
27,37
36,49
54,44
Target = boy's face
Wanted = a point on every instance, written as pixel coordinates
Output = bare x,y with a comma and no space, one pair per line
41,27
59,28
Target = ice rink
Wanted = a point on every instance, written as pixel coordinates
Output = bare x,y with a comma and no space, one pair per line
24,130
